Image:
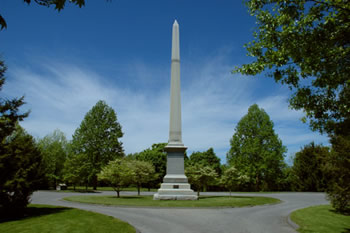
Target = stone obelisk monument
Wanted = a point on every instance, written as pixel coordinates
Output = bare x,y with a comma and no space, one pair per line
175,185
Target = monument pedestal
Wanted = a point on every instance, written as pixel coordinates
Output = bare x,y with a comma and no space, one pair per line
175,185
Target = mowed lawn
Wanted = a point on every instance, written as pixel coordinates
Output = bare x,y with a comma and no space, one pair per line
321,219
44,219
204,201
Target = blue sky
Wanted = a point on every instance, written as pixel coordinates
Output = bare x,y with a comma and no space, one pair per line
119,51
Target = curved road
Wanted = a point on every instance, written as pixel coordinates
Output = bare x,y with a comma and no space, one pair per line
258,219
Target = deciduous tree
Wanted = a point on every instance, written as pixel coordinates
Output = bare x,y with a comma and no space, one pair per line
337,170
54,151
206,158
143,173
233,179
118,173
157,157
306,45
200,176
307,168
256,150
98,138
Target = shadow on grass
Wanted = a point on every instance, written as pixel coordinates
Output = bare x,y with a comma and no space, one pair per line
346,230
32,212
127,197
347,213
236,197
81,191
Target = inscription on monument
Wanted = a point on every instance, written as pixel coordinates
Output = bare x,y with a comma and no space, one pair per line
176,187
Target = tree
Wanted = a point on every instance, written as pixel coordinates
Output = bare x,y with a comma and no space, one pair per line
337,169
54,151
19,172
77,169
59,5
19,157
256,150
157,157
9,110
233,179
206,158
306,46
143,173
118,173
307,168
200,175
98,138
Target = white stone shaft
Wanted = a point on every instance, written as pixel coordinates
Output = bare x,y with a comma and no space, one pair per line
175,135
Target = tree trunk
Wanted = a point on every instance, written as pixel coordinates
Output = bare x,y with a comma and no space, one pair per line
118,195
138,189
94,182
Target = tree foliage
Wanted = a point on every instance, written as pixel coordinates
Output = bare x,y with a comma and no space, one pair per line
20,161
77,169
306,45
256,150
143,173
232,179
58,4
206,158
337,169
98,138
118,173
54,152
307,168
19,157
9,109
157,157
200,176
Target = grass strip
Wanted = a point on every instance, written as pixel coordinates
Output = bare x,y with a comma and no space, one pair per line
321,219
45,218
147,201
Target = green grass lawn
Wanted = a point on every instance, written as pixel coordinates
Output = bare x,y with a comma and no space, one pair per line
82,189
321,219
204,201
44,219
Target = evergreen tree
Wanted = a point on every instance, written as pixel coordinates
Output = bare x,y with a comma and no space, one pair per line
19,157
256,150
98,138
20,162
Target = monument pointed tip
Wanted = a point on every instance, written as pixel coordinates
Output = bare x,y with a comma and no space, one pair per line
175,22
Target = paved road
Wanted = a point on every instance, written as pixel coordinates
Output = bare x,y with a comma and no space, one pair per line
258,219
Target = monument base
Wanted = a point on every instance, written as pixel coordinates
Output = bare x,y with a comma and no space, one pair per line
175,187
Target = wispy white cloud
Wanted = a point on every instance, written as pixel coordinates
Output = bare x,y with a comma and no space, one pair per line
213,101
